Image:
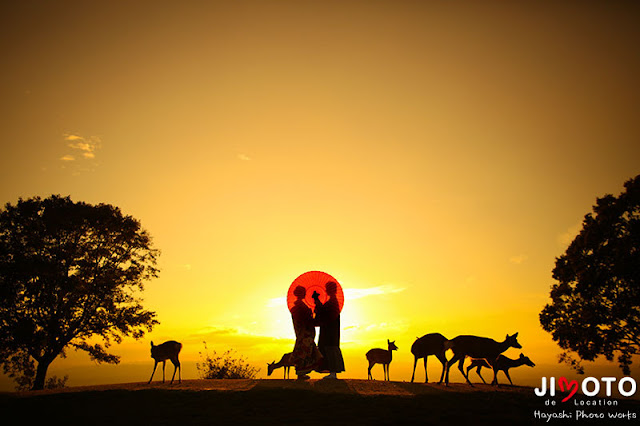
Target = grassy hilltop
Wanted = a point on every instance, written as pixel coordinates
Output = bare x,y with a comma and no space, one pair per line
278,402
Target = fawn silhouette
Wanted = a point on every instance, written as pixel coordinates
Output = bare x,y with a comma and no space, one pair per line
286,361
429,344
166,351
381,356
502,363
477,347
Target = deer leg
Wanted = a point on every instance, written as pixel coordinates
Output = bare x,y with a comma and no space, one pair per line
495,377
153,372
506,372
386,373
478,371
426,377
370,377
461,368
443,360
449,364
164,364
415,361
176,365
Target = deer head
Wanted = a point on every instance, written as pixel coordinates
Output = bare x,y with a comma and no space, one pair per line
512,341
526,361
392,345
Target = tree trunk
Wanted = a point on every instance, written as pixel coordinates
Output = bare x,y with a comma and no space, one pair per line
41,374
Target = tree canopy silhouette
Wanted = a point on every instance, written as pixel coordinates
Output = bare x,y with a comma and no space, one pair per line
595,307
71,275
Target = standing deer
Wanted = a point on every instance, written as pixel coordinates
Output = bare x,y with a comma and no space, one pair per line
478,363
429,344
477,347
381,356
167,351
286,361
502,363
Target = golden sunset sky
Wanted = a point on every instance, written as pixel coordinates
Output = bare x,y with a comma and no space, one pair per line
434,157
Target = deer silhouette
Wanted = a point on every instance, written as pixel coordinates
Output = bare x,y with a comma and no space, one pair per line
502,363
286,361
381,356
477,347
167,351
429,344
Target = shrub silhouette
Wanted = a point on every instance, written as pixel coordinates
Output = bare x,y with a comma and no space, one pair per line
228,365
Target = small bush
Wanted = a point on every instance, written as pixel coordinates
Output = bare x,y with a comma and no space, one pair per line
225,366
56,382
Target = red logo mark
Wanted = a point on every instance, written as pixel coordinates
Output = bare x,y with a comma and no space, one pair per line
568,386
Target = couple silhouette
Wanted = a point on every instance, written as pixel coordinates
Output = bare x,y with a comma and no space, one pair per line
326,356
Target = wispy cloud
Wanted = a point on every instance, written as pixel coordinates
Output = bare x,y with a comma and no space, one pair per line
82,154
359,293
86,146
565,238
349,294
277,302
518,259
244,157
355,335
218,337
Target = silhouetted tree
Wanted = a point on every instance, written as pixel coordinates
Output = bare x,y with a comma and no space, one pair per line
595,308
69,273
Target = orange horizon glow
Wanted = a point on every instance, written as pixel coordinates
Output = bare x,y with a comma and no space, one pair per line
434,158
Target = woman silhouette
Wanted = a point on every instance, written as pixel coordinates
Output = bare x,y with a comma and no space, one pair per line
306,356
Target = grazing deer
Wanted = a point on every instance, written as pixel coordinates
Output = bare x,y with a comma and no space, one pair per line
502,363
286,361
167,351
381,356
477,347
429,344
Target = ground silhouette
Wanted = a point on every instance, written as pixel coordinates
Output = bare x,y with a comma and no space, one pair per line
313,402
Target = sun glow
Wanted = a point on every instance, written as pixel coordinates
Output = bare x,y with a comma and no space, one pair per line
434,159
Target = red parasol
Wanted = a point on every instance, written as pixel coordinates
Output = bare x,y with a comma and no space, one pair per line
314,281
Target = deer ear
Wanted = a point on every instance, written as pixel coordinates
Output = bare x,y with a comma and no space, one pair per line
515,335
152,343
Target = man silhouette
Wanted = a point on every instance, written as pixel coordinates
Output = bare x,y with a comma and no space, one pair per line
328,318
